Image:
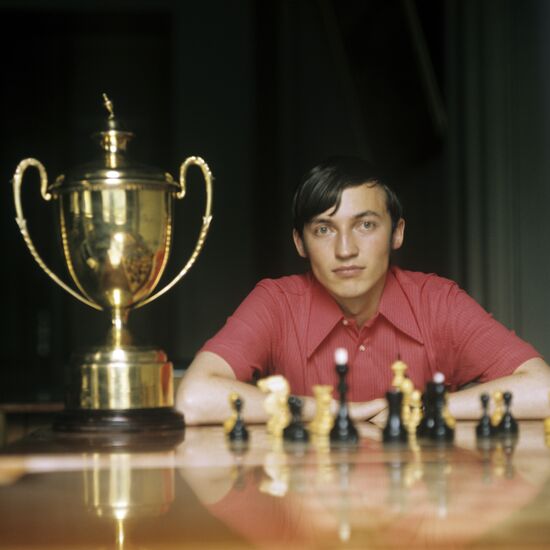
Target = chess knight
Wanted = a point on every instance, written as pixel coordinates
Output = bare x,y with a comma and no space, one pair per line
276,403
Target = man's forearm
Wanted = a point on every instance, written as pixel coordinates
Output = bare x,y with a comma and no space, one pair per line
529,386
206,400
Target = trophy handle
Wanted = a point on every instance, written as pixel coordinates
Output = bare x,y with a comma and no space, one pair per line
22,222
206,220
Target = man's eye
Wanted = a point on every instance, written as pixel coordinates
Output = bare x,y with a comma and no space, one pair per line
321,230
367,225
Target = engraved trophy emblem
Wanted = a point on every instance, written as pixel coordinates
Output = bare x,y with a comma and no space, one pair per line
116,222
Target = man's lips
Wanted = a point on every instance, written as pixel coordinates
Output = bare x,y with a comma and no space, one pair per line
348,270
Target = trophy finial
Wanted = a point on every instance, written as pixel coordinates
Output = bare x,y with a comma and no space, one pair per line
113,139
109,106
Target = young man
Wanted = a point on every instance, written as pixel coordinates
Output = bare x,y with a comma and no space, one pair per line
346,223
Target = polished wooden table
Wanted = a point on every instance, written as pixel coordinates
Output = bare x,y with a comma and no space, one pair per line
203,494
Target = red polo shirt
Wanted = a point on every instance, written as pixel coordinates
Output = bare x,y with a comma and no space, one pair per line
291,326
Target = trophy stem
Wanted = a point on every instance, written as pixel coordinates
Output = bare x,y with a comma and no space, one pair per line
119,335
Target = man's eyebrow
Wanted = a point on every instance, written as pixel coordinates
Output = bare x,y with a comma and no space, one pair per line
328,219
320,219
367,213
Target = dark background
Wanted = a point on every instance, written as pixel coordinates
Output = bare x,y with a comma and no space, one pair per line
450,97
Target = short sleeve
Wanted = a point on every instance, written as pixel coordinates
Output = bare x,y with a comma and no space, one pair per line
483,348
250,335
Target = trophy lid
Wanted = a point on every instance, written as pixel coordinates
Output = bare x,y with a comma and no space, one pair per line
114,170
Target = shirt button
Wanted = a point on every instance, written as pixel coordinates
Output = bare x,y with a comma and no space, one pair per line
362,347
345,322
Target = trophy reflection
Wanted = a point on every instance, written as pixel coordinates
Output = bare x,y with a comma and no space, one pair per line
116,222
120,492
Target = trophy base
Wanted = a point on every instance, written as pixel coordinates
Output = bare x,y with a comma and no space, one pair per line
158,421
121,379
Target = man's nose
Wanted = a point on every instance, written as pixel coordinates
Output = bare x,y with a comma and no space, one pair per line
346,247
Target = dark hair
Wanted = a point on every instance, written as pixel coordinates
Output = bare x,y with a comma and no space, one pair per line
323,185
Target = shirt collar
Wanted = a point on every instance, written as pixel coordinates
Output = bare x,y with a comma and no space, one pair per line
325,313
395,306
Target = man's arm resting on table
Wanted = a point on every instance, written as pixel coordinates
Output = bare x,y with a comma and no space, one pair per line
529,385
203,395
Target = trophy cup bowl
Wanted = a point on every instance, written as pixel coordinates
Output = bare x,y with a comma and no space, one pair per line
116,222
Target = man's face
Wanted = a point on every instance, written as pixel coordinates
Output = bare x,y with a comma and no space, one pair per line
349,250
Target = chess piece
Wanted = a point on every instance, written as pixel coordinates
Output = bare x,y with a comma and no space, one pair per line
322,421
415,416
343,430
394,431
406,388
484,428
230,422
238,431
426,425
498,400
508,425
296,430
275,404
398,368
449,418
443,429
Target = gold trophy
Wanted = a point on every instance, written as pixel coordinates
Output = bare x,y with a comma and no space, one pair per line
116,221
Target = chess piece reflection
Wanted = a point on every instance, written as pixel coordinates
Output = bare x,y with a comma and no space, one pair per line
277,470
276,403
344,524
502,457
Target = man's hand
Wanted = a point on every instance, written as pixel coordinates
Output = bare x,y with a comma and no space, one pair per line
368,410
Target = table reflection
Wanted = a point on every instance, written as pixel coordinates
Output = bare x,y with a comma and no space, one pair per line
207,492
416,495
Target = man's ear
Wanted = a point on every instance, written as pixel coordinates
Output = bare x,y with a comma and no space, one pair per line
398,234
299,243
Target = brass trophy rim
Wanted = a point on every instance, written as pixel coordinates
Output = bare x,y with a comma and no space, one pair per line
128,175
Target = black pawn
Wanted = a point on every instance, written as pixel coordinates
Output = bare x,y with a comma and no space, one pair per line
484,428
239,431
508,425
426,425
343,430
394,431
441,431
296,430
